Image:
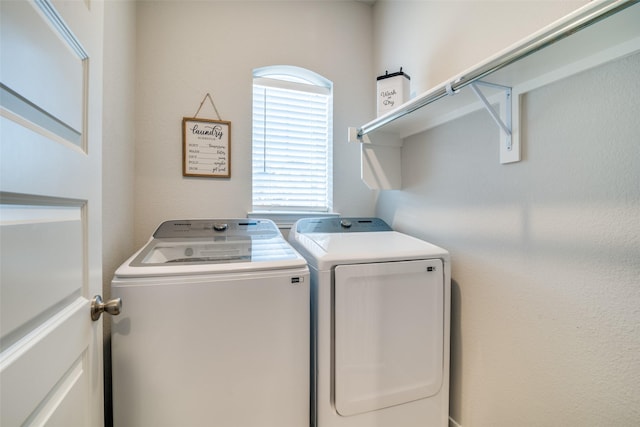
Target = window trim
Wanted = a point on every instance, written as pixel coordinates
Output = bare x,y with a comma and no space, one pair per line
283,84
303,80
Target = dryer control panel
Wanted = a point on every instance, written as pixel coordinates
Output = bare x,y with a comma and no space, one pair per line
341,225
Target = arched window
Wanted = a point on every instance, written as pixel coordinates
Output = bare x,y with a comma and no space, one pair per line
292,140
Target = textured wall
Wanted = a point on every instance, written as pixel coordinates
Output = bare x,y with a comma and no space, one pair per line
545,253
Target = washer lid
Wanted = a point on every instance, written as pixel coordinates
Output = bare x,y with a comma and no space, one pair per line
206,251
209,246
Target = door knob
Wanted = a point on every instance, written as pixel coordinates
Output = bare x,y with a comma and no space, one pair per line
112,307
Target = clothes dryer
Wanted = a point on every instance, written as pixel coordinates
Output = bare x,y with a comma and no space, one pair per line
380,324
214,328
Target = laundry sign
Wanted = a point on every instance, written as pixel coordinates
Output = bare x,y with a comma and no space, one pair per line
206,148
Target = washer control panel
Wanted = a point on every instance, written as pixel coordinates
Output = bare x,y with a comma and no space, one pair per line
195,228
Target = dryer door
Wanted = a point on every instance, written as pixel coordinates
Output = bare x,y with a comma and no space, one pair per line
389,330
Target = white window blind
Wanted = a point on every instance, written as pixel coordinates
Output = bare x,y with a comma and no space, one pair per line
291,145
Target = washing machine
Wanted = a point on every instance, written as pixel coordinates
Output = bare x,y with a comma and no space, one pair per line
214,328
380,324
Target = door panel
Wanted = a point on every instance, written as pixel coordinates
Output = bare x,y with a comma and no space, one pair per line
39,371
51,238
50,212
32,44
389,329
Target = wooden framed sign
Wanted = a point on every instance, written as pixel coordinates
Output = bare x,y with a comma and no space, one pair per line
206,148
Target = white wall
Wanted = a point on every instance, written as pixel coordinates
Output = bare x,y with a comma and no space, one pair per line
545,252
188,48
117,154
118,135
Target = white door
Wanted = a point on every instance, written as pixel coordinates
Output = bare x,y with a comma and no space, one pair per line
50,212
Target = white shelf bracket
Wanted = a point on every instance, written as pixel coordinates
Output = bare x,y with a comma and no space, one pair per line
509,148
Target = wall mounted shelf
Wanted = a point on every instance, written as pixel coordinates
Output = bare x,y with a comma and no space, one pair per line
599,32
